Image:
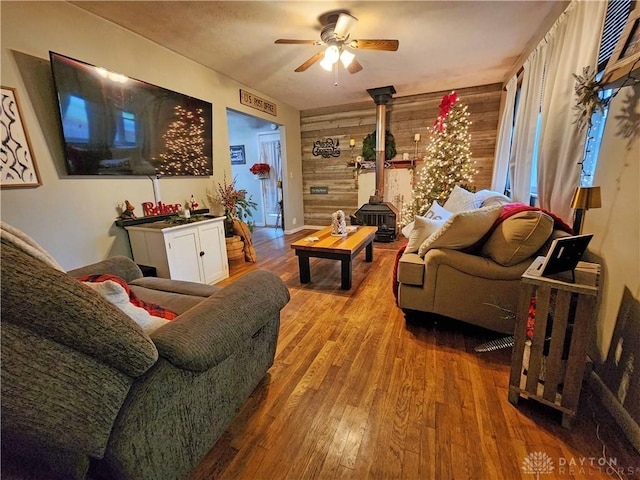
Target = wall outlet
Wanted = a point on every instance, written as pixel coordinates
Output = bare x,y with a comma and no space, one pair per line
294,220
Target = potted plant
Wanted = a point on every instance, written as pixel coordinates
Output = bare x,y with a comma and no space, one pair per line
261,170
236,203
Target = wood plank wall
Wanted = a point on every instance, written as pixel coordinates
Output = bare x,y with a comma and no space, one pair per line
406,116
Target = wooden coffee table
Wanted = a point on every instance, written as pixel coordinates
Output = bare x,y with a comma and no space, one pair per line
337,248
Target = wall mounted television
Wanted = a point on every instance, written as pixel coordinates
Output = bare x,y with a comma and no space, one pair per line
116,125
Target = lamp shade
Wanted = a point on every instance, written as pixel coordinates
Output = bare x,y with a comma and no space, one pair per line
326,64
332,53
586,197
346,58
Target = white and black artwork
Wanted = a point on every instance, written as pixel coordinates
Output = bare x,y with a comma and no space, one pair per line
17,166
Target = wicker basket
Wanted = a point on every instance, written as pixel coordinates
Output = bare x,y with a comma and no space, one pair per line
235,248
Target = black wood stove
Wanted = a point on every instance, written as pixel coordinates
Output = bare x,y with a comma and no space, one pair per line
378,213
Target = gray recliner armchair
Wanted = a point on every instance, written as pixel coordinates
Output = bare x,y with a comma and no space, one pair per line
86,391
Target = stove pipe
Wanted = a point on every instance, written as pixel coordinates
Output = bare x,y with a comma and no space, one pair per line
381,96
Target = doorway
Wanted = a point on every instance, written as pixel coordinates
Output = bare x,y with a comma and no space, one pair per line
271,154
259,141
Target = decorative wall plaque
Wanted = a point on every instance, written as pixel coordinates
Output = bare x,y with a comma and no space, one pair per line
253,101
326,148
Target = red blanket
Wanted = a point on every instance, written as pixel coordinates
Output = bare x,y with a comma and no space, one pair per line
394,281
508,210
152,308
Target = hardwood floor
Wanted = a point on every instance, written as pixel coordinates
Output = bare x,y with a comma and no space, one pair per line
357,392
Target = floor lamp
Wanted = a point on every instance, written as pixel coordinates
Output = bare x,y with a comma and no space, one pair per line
584,198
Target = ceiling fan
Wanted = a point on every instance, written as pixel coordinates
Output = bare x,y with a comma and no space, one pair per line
335,35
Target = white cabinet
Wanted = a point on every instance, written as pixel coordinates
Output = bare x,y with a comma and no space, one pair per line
195,252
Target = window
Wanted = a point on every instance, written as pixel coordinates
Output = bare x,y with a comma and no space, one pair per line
615,19
534,161
592,144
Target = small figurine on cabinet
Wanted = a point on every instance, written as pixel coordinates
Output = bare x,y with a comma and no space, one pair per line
127,213
194,205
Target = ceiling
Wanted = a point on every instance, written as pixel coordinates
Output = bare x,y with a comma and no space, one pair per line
443,44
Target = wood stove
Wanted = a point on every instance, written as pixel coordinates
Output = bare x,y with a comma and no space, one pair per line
378,213
382,215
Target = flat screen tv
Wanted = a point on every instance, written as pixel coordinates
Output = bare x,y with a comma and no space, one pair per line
116,125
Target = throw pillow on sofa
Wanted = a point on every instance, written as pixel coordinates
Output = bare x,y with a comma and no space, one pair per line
518,237
461,200
147,315
462,230
489,198
435,212
423,228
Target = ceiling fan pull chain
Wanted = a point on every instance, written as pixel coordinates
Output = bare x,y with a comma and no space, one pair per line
335,78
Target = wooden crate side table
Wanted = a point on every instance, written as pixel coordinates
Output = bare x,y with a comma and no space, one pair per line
557,355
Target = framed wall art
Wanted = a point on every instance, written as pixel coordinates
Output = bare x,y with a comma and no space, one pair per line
18,168
237,155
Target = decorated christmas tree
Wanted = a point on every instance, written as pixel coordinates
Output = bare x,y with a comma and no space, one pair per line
447,162
184,142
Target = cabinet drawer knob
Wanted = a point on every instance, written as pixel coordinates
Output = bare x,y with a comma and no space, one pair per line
202,254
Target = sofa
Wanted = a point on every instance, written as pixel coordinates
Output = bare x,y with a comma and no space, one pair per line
468,267
88,393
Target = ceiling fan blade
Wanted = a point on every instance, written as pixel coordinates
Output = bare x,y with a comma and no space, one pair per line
344,24
298,42
387,45
354,66
310,62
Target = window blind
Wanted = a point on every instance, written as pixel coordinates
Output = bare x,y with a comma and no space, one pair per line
614,20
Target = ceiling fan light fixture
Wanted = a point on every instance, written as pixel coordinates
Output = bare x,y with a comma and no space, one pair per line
326,64
344,25
346,58
332,54
335,35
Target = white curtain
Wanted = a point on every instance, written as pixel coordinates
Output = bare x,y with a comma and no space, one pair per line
572,45
270,153
503,147
524,133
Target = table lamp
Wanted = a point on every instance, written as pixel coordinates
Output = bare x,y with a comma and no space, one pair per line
583,199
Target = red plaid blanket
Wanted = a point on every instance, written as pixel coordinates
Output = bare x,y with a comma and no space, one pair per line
152,308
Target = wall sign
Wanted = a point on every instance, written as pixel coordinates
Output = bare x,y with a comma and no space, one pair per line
253,101
151,210
319,190
237,155
326,148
